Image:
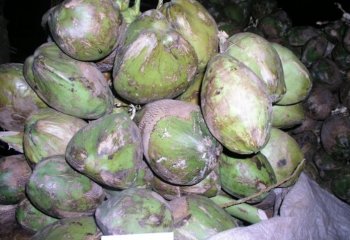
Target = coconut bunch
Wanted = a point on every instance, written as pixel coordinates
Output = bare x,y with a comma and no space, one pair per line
136,122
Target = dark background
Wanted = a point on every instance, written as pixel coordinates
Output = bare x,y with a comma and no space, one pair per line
26,34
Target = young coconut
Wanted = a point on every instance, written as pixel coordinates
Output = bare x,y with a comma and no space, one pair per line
177,143
82,228
86,30
31,218
48,190
14,174
134,210
198,217
287,116
66,84
47,133
157,51
196,25
17,98
208,187
236,105
243,176
296,76
108,150
284,154
259,56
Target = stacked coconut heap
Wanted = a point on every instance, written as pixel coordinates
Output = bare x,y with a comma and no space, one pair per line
321,121
130,122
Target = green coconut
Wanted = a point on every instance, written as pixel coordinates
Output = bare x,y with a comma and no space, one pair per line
82,228
155,63
208,187
287,116
61,192
259,56
86,30
196,25
134,211
108,150
296,76
17,98
14,174
47,133
177,143
192,93
236,105
30,218
243,176
67,85
284,155
198,217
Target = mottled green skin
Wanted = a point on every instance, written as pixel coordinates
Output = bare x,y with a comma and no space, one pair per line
134,211
13,139
340,185
208,187
192,93
296,76
197,217
258,55
287,116
108,150
47,133
284,155
157,63
235,105
243,176
314,49
78,228
86,30
150,19
299,35
177,143
14,174
30,218
67,85
196,25
17,98
59,191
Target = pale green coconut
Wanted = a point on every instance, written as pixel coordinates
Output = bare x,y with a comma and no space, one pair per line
236,105
296,76
258,54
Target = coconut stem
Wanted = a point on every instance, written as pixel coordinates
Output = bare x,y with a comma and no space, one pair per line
160,4
243,200
132,13
242,211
